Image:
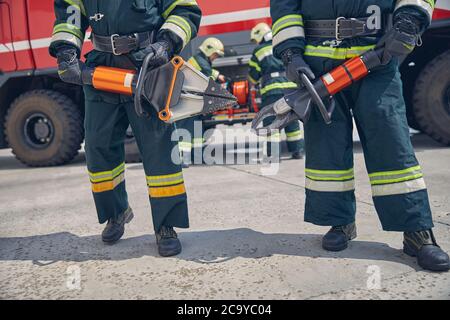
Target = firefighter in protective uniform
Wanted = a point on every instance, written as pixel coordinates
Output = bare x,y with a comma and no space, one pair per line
269,73
123,33
312,38
209,50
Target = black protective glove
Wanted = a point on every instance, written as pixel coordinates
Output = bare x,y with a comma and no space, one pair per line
69,66
401,39
295,65
161,51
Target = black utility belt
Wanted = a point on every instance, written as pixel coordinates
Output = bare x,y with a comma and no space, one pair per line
119,45
345,28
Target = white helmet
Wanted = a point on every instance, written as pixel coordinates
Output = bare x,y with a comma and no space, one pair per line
211,46
261,31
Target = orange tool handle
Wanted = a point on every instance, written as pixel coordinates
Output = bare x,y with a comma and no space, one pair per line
344,75
114,80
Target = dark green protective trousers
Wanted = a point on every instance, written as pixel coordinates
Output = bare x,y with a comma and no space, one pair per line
398,188
106,121
294,134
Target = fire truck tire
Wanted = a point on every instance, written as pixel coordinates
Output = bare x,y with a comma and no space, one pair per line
431,99
44,128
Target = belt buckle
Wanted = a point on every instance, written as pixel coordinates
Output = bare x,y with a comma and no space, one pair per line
336,33
113,46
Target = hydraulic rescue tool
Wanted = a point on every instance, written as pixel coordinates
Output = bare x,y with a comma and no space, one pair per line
176,89
297,104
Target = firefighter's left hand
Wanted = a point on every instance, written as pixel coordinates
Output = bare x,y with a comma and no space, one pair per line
69,66
401,39
160,51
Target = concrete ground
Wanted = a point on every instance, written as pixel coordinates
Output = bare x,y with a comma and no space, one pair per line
247,239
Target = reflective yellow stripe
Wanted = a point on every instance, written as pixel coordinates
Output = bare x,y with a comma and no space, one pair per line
329,175
178,3
287,21
108,185
164,192
194,63
164,177
255,65
70,28
394,172
252,80
183,24
106,175
336,53
67,37
275,86
398,188
329,186
294,136
263,52
387,181
78,4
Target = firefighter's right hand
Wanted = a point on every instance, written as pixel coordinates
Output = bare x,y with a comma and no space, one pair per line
161,52
69,66
295,65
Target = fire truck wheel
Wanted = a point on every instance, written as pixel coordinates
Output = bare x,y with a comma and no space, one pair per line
431,98
132,154
44,128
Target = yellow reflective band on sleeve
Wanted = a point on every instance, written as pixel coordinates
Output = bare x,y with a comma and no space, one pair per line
67,37
183,24
387,177
215,74
264,52
68,28
288,33
176,3
252,80
330,186
287,21
255,65
77,4
425,5
330,175
336,53
194,63
276,86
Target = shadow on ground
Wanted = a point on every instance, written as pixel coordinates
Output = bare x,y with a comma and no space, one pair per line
205,247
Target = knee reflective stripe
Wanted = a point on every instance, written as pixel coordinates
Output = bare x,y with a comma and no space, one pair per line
287,27
336,53
180,27
164,186
294,136
107,180
276,86
387,183
330,180
427,6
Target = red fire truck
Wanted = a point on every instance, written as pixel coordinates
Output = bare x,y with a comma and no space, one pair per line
41,117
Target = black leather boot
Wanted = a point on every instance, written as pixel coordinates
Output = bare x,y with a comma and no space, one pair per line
168,243
116,227
422,244
297,155
337,238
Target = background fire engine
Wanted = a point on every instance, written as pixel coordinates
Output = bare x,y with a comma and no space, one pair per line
41,118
